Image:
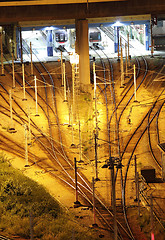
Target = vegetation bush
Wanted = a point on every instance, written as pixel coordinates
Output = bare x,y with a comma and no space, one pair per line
22,200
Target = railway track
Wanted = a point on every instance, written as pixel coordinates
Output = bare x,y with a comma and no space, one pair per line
52,143
140,132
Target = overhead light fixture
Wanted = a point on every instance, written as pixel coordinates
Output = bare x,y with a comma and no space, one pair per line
117,24
49,28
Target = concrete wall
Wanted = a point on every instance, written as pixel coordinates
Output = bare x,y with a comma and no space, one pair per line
159,29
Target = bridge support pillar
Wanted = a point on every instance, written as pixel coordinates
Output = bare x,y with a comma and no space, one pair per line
82,49
49,43
147,36
116,39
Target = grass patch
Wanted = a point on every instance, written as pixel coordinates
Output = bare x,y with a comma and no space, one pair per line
22,199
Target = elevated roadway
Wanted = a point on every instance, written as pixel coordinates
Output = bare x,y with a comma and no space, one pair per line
76,10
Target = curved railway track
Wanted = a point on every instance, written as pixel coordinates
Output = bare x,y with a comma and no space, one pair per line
52,143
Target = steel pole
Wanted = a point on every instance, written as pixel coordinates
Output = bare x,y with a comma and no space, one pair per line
126,63
128,50
62,70
64,79
13,71
121,64
94,211
73,89
138,194
96,159
151,217
26,147
114,201
11,114
80,147
35,83
2,64
31,54
134,82
23,78
77,203
29,136
136,178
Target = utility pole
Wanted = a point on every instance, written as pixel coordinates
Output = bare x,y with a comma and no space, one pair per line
13,70
23,78
76,203
94,211
12,129
96,128
35,84
121,65
64,80
31,54
126,63
2,64
62,84
138,190
136,184
96,167
114,200
128,50
137,199
80,147
73,89
26,147
72,145
134,82
29,135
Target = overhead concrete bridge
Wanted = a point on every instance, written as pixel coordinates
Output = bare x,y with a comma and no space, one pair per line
78,12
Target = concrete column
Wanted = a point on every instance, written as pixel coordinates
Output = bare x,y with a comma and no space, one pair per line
147,36
116,38
14,50
18,43
82,49
49,43
130,33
